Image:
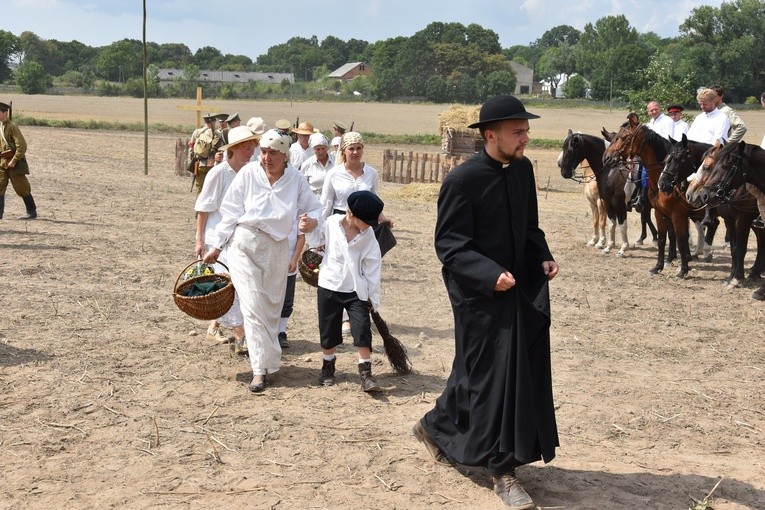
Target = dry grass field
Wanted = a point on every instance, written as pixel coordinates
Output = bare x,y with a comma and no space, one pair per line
112,398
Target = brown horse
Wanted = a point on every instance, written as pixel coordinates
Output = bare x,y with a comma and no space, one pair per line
682,161
635,139
737,164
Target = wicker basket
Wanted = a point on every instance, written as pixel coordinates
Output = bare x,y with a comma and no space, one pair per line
310,257
207,307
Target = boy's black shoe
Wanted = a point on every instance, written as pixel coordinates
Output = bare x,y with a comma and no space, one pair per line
327,377
368,382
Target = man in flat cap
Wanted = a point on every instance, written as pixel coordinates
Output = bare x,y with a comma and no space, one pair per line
497,408
13,164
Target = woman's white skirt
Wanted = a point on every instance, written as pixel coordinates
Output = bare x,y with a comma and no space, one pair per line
259,274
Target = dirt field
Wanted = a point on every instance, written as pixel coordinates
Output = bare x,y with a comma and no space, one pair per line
112,398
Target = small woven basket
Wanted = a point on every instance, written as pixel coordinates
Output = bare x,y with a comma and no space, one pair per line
310,257
207,307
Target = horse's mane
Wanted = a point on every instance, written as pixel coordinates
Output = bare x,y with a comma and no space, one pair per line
658,143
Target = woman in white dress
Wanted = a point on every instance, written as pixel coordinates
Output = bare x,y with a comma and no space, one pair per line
316,167
258,212
241,145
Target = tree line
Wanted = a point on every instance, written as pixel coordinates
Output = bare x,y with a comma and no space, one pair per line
444,62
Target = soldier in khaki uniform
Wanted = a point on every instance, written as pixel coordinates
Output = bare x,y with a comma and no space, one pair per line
13,164
206,162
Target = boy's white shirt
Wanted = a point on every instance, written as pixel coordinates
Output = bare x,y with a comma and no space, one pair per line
357,262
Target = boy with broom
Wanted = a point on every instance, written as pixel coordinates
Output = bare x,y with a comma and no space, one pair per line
349,280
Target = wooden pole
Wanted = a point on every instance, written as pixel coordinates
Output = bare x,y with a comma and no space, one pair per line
145,100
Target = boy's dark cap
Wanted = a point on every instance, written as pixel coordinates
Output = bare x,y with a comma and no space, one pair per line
502,107
366,206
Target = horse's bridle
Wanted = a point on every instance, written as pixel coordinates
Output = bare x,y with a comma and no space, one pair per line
686,156
725,189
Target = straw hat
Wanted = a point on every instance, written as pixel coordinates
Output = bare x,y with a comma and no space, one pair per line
304,128
239,135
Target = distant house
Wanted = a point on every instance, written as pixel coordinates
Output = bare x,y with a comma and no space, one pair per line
168,76
524,78
351,70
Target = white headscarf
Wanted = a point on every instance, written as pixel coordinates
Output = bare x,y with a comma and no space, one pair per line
317,139
272,139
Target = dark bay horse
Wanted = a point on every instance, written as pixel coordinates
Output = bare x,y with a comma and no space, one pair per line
635,139
683,160
737,164
578,147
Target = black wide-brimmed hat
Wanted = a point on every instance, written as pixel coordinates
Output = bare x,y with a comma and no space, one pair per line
502,107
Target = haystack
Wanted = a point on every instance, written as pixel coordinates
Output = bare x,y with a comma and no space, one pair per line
456,138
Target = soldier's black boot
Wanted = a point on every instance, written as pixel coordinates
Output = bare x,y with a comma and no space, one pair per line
29,202
2,206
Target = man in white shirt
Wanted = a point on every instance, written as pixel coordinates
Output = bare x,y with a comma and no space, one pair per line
711,124
301,150
680,127
659,122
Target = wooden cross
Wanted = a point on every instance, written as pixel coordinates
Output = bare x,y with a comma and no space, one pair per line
198,107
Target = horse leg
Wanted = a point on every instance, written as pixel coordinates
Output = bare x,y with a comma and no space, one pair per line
662,226
611,229
672,251
759,261
625,243
738,240
680,223
602,220
759,294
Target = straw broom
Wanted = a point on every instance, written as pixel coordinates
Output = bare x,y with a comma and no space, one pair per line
394,349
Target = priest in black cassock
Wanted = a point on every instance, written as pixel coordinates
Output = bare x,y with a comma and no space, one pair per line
497,409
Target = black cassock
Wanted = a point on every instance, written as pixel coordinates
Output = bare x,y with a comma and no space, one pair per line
498,400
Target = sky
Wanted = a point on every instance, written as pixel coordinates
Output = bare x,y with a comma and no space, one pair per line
250,27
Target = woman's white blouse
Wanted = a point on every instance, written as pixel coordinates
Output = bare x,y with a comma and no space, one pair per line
339,184
252,201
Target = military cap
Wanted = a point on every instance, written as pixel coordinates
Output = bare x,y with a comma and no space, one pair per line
222,116
674,108
232,117
4,107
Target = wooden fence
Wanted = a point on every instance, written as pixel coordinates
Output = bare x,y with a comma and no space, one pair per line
407,167
181,156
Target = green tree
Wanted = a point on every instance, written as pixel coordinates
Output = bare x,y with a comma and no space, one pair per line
436,89
9,47
608,54
500,82
664,84
729,40
556,62
208,57
31,77
120,60
44,52
575,87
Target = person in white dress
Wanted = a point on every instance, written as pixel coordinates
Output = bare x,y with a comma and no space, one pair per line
258,214
316,167
241,144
